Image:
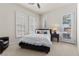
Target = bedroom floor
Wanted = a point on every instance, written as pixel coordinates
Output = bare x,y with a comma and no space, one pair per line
57,49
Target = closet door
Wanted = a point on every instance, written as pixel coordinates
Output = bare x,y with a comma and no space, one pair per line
32,24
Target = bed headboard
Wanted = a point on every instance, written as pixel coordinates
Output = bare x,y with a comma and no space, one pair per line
44,31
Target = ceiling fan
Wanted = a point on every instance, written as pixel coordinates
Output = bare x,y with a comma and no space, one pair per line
38,5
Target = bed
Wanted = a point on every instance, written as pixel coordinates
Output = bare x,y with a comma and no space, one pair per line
39,41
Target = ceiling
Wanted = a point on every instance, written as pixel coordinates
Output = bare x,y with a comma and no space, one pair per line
44,7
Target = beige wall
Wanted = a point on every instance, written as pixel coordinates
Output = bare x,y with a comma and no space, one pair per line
7,19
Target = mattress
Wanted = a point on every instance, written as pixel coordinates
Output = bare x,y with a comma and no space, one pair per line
37,39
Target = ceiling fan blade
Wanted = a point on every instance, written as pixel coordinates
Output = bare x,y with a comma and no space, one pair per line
38,5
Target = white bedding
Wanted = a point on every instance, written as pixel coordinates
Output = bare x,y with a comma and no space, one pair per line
37,39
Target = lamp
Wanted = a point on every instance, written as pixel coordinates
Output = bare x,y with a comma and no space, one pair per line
55,28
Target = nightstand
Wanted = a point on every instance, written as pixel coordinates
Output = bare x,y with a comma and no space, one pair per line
55,35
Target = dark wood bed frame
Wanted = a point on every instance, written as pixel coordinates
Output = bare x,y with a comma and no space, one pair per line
36,47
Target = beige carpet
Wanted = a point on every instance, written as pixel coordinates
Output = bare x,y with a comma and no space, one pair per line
57,49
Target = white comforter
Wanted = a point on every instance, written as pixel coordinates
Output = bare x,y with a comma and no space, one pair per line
37,39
